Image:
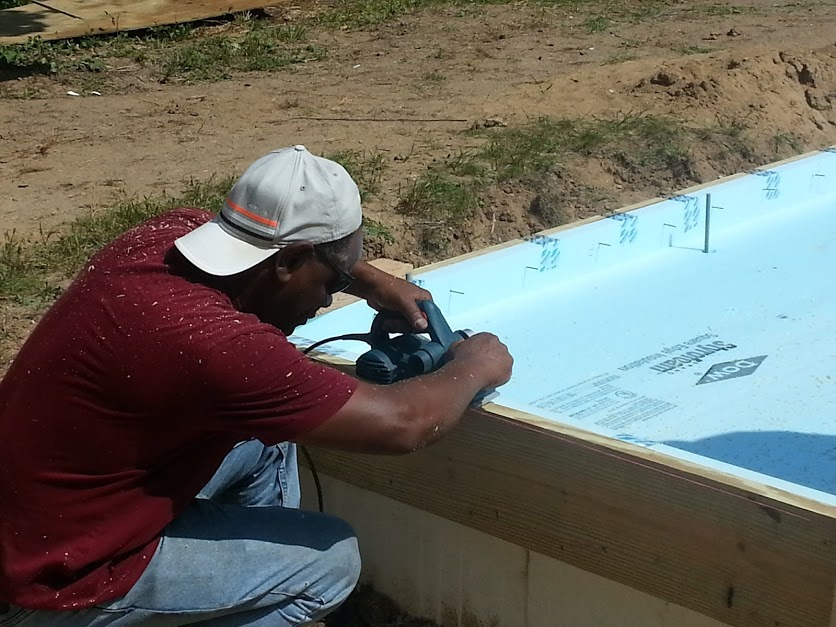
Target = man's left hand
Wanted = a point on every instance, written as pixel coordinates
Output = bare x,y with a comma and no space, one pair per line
385,292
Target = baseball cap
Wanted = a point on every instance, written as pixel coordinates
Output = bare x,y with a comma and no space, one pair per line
288,195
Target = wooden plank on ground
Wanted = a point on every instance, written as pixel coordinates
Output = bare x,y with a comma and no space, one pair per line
62,19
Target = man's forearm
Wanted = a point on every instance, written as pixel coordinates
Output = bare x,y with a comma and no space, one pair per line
367,279
434,403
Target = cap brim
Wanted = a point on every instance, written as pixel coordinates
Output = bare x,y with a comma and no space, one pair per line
216,252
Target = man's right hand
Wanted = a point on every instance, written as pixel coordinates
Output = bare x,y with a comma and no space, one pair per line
486,357
414,413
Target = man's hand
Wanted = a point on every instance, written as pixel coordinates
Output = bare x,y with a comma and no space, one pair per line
486,357
385,292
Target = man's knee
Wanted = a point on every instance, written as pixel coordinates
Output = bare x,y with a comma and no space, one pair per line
341,565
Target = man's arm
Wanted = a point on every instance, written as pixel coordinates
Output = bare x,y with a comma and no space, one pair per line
384,291
415,413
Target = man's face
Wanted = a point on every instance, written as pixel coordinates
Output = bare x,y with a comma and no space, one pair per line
306,286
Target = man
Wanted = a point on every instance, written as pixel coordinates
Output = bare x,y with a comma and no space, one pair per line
148,475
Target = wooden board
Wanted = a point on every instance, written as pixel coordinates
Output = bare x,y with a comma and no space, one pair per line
77,18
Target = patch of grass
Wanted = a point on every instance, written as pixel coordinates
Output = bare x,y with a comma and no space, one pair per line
717,10
693,50
433,78
466,163
375,230
787,140
728,138
31,271
185,51
258,49
439,199
597,24
621,57
647,10
365,167
10,4
364,13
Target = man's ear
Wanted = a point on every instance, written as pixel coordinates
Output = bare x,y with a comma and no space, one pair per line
291,258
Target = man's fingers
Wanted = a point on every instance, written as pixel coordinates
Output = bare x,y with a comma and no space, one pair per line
415,315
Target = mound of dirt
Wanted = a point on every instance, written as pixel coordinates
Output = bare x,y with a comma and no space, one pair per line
738,113
769,93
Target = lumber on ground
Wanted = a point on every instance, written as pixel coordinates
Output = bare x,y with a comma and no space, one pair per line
63,19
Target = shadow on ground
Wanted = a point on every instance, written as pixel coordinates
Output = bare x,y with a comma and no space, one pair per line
19,23
367,608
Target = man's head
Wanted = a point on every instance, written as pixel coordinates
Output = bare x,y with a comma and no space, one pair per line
289,230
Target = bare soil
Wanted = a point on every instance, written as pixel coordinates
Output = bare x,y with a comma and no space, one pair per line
401,89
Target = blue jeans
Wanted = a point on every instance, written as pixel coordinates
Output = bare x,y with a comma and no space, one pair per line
242,554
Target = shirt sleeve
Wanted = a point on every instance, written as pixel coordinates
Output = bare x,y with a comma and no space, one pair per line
261,386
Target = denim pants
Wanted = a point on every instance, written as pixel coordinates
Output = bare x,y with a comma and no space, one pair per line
242,554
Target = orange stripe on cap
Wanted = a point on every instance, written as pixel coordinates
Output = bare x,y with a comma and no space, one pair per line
251,215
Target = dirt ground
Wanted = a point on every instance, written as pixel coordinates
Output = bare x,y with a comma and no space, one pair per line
411,89
772,65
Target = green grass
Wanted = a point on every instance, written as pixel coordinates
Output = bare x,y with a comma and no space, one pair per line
257,49
433,78
32,271
365,167
8,4
597,24
374,230
183,51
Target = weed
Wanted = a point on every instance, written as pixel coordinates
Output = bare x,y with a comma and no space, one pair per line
787,140
433,78
717,10
597,24
33,56
366,168
693,50
465,163
621,57
375,230
440,199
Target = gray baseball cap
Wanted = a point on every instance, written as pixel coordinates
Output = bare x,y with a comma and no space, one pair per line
289,195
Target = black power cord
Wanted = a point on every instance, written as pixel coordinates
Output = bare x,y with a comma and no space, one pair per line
308,458
315,477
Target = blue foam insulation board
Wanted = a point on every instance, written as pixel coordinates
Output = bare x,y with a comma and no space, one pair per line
628,328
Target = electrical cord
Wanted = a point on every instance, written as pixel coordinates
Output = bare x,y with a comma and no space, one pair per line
315,478
307,455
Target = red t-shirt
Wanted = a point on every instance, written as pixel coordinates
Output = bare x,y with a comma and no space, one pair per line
120,407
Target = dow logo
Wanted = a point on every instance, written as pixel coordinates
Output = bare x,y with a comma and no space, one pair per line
731,369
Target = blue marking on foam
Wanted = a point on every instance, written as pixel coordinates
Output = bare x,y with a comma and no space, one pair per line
625,327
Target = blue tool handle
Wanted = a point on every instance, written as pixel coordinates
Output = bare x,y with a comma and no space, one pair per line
441,332
438,328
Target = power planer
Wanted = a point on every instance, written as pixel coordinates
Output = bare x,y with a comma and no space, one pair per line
402,356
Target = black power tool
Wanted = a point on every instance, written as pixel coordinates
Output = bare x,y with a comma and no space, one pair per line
406,355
